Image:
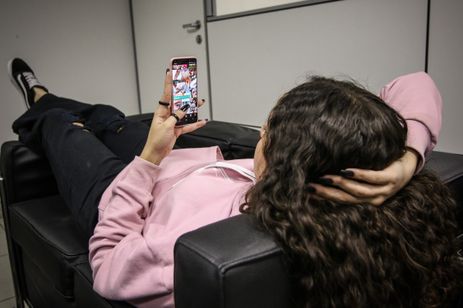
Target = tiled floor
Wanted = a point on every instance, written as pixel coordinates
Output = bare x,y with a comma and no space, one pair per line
6,283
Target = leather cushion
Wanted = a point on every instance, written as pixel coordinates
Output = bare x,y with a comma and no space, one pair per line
46,232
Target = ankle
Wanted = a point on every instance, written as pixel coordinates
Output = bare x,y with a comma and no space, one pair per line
38,93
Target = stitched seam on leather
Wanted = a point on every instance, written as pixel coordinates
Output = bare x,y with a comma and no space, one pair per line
451,179
208,137
249,259
226,266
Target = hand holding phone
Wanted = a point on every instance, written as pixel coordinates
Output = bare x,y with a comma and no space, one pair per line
163,131
185,88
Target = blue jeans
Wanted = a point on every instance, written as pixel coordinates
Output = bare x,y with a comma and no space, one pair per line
84,159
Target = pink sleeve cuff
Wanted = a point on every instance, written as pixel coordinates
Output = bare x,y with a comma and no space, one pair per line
142,173
418,139
144,163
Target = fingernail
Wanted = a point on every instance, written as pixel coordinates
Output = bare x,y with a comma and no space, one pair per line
185,108
325,181
311,189
167,70
346,173
207,120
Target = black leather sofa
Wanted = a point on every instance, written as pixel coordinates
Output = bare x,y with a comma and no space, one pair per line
231,263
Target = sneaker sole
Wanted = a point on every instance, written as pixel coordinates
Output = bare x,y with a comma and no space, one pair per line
15,82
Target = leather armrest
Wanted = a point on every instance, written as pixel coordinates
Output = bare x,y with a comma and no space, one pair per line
231,264
26,175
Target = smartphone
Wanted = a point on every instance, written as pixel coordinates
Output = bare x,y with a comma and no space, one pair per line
185,88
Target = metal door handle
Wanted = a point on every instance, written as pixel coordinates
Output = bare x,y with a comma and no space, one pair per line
192,27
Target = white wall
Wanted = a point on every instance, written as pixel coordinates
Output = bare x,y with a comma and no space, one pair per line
446,68
79,49
255,59
83,49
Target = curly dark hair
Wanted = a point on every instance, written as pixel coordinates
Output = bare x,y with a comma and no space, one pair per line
400,254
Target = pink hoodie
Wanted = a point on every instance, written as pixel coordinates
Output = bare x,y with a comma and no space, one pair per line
147,207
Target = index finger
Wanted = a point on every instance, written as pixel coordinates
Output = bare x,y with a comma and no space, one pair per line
370,176
359,189
338,195
334,194
167,92
164,111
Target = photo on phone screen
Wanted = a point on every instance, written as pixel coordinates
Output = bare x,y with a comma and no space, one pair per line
185,88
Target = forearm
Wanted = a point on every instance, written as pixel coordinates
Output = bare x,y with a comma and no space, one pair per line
419,141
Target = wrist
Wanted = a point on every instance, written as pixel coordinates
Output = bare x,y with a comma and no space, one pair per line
153,158
413,158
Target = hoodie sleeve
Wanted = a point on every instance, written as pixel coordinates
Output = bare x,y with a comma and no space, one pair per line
127,261
118,251
416,97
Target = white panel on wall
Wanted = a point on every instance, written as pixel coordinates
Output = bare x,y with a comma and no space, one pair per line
254,59
224,7
446,68
79,49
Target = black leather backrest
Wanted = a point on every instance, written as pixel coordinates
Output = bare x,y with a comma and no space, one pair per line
449,168
235,141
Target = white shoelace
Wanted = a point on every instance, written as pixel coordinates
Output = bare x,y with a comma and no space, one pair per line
31,80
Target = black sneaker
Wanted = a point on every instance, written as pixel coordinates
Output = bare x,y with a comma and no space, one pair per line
24,79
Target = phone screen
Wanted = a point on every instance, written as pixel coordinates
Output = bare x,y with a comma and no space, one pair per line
185,88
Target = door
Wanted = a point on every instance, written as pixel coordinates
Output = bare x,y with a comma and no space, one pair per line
164,29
